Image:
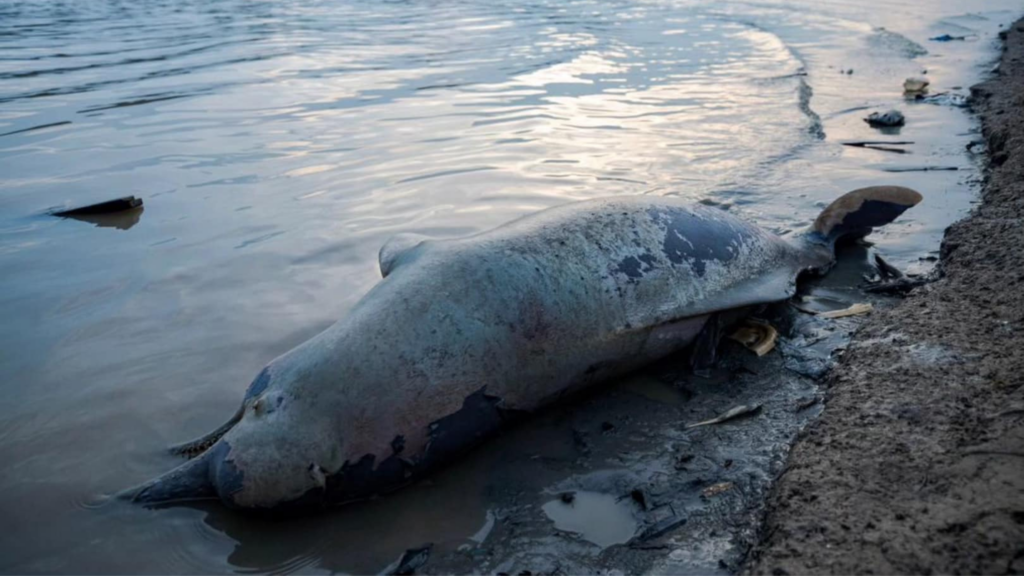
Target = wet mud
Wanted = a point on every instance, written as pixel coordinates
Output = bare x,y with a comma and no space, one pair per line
916,465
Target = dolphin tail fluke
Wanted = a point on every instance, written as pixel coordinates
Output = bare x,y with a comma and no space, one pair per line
190,481
855,213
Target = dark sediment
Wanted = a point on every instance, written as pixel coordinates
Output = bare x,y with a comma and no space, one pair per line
917,463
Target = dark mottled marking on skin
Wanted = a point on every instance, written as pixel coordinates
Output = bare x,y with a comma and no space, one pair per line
481,415
635,267
689,236
223,472
631,266
259,384
363,479
871,213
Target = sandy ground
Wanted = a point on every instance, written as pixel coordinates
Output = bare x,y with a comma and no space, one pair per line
917,463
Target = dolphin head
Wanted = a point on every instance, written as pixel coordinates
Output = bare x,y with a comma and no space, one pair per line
276,453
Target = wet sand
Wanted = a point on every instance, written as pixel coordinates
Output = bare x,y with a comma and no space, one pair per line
917,463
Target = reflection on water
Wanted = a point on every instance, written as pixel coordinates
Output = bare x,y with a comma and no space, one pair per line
277,144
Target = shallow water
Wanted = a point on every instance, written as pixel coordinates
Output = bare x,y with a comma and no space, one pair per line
602,519
278,144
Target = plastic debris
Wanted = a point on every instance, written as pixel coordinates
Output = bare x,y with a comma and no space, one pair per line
915,85
886,119
854,310
741,410
756,336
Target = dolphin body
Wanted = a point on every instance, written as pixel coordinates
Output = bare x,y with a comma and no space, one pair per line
460,335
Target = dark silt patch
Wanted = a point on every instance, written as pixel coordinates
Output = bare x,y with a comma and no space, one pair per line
691,237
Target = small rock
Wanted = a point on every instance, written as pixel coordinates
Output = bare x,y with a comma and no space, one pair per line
885,119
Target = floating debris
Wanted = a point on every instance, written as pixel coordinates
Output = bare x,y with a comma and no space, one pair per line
741,410
121,213
716,489
108,207
921,169
888,119
853,310
915,85
877,145
756,336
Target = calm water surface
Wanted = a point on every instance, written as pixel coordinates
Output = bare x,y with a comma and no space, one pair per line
277,144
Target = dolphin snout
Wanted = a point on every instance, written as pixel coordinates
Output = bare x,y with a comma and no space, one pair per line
193,480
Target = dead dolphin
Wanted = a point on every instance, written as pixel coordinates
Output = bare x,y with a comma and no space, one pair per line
462,333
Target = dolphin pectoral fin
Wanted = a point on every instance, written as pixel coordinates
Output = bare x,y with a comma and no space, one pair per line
394,250
704,351
190,481
195,447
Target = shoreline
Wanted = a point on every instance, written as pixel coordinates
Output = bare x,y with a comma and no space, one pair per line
916,464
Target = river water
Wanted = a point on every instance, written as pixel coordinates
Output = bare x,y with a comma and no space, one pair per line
277,144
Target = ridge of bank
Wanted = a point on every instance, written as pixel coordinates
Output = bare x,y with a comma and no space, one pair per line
917,462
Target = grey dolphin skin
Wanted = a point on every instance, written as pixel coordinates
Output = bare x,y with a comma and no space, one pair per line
462,334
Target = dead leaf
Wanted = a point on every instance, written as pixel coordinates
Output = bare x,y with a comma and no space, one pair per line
757,336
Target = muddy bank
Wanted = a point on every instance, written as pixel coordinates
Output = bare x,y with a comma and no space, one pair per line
917,463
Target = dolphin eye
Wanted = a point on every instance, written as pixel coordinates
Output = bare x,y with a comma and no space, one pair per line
266,405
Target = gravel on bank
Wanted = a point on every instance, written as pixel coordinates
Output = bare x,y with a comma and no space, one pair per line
917,463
